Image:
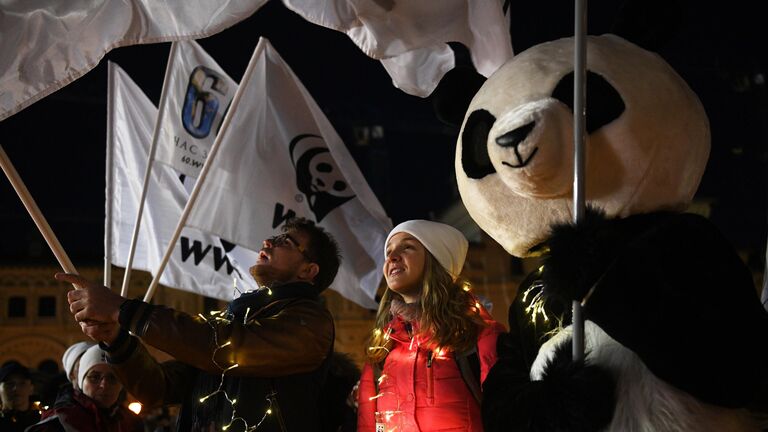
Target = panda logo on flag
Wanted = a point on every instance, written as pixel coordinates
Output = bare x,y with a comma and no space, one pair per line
317,175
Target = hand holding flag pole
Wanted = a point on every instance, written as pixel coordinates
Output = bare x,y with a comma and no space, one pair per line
96,307
34,212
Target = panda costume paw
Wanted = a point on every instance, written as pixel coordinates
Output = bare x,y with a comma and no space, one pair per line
569,396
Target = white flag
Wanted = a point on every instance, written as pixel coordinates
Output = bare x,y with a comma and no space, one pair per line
45,45
410,36
278,157
195,99
200,263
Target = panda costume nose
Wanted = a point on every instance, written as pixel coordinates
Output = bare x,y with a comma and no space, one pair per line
513,139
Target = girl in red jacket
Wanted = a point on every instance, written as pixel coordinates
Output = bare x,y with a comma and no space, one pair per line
433,343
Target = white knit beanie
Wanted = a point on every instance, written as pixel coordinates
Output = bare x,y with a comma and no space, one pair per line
447,244
72,354
93,356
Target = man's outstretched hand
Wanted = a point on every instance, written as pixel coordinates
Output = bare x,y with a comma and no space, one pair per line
94,306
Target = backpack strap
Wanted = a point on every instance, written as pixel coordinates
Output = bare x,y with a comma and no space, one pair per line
469,367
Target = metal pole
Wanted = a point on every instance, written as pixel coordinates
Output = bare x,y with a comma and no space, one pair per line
148,171
579,138
108,189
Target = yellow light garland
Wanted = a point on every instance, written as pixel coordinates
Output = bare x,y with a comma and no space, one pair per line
218,317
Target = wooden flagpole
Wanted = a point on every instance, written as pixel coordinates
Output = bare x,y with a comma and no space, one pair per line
148,170
204,172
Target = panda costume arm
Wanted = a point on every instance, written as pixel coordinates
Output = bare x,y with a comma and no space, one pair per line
670,288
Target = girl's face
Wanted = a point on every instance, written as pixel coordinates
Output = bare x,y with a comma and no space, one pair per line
101,385
404,266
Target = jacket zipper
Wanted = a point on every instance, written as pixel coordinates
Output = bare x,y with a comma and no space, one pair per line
430,377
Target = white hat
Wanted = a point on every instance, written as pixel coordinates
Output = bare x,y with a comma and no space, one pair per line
72,354
93,356
447,244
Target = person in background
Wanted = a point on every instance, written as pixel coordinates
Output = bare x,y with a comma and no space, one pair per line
71,360
338,415
15,390
433,343
95,406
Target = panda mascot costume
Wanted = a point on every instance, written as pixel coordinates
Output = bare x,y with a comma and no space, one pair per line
676,338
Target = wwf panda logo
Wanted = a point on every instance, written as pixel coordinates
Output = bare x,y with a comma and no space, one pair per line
317,175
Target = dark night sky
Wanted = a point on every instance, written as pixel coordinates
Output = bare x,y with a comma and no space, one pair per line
57,144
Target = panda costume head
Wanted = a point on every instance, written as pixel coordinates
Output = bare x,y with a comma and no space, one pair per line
674,326
647,142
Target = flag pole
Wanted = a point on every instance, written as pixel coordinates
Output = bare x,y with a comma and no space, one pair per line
203,173
108,190
148,172
34,211
579,147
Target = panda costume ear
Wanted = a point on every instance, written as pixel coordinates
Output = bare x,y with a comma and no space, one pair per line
456,89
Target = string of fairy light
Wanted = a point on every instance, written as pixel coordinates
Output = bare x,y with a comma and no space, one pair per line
538,301
214,319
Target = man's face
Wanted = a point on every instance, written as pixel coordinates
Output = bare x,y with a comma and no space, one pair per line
281,259
15,391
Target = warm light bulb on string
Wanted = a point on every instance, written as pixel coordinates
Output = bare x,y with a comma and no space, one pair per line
218,317
135,407
536,307
376,334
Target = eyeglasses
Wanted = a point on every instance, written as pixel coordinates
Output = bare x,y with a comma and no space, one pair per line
95,378
285,238
15,383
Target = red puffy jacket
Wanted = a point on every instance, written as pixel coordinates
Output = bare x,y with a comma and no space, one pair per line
421,390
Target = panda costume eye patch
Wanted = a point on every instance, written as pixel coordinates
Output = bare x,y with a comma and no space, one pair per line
474,152
604,104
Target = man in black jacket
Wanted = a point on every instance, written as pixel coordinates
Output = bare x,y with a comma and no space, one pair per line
261,362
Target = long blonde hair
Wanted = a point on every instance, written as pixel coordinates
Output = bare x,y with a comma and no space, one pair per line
449,314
